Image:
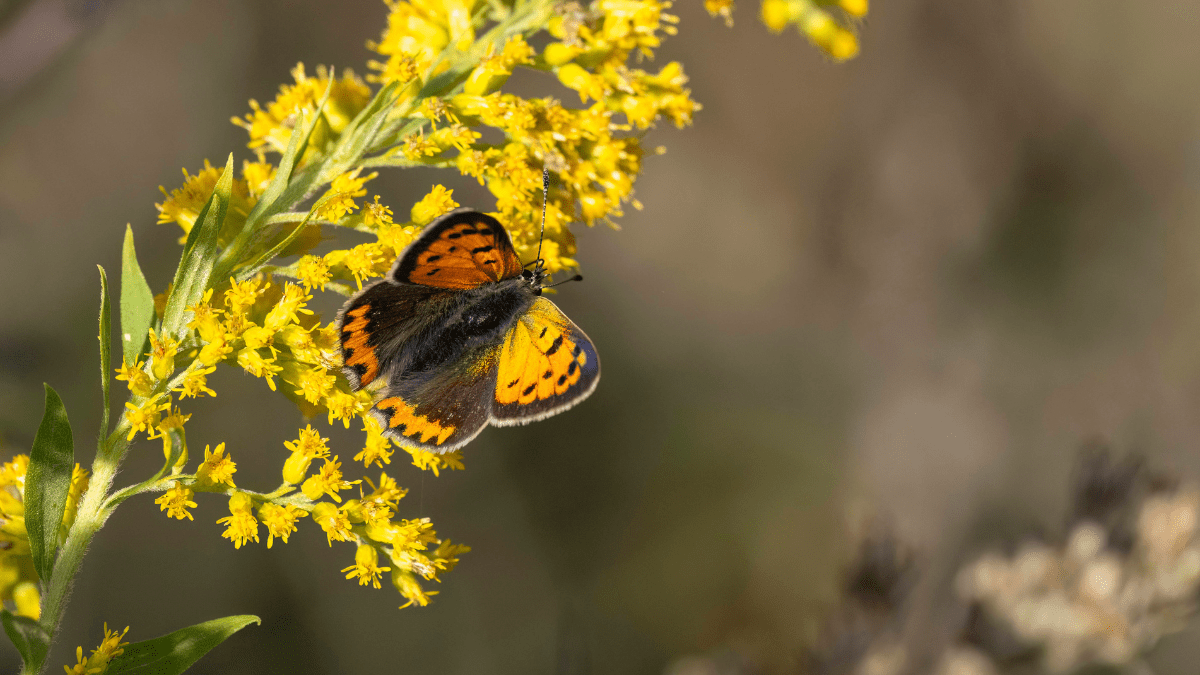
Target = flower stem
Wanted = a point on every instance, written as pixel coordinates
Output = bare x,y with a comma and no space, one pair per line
90,517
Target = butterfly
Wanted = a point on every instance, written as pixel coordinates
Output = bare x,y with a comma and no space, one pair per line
458,336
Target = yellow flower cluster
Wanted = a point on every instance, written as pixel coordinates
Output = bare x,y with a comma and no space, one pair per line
271,128
183,204
831,32
110,648
18,578
595,164
449,110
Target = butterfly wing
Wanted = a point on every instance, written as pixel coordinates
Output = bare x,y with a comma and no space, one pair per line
463,249
440,410
545,366
377,322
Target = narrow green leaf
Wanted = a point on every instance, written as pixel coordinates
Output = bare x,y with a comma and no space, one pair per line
297,145
253,268
105,350
51,460
365,127
28,636
137,303
173,653
199,254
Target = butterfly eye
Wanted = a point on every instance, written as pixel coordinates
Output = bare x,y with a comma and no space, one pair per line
527,275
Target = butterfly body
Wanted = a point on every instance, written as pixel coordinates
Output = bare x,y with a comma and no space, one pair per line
457,337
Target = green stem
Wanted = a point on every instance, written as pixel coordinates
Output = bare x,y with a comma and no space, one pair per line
90,517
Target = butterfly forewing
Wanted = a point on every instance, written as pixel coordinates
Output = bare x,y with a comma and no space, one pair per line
547,364
376,323
462,250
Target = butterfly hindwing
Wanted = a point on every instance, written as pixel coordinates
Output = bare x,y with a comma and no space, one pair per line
463,249
376,323
546,365
441,410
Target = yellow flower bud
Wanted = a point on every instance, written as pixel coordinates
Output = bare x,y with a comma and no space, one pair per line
367,556
296,467
557,53
353,511
312,487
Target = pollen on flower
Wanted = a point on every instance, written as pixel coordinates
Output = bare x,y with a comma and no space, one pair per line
240,525
217,467
314,383
327,481
144,416
376,214
439,201
366,566
195,382
242,295
280,521
364,261
339,199
312,272
416,147
176,501
333,521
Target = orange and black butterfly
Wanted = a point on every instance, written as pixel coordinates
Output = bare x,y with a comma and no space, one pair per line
459,336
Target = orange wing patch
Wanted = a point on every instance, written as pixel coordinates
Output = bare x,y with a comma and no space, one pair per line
539,358
354,344
465,255
402,419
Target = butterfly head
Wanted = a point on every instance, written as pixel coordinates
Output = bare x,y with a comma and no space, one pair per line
535,277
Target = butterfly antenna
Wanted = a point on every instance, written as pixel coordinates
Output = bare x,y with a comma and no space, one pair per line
577,277
542,233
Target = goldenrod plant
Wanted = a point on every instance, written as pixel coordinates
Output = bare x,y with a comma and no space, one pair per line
247,273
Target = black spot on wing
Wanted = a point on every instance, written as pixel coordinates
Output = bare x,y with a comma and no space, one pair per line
434,271
546,375
561,379
554,346
529,389
433,258
482,249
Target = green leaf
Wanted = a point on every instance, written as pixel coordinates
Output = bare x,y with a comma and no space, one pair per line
268,203
199,254
28,636
51,461
137,303
105,348
175,652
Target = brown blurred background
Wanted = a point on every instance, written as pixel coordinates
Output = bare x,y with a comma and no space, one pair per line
910,285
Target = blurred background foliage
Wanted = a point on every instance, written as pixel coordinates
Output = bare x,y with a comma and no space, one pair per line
912,284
